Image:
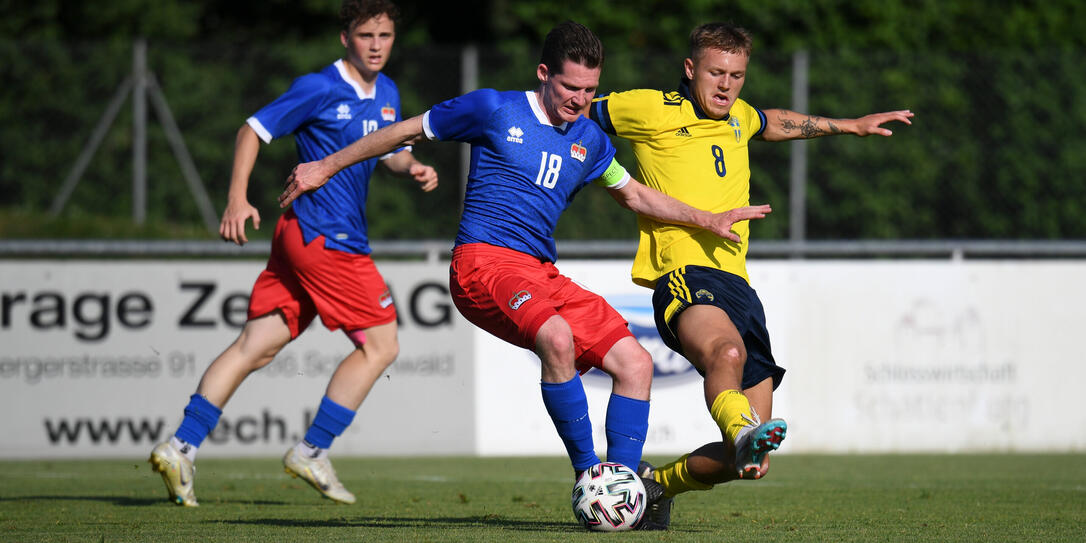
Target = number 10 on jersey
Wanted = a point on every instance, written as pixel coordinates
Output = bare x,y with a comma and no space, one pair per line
549,167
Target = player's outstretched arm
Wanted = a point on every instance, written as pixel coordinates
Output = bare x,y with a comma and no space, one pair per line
783,124
238,209
661,207
312,175
404,163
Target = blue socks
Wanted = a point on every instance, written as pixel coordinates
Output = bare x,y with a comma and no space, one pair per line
568,407
331,420
627,426
201,416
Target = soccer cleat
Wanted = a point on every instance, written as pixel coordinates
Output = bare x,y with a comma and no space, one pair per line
751,447
177,472
657,514
318,472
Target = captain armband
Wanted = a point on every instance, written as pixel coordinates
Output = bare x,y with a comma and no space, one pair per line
614,177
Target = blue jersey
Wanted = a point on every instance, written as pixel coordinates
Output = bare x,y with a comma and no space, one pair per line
524,170
327,111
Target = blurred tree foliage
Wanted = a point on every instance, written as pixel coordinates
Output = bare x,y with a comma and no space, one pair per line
999,89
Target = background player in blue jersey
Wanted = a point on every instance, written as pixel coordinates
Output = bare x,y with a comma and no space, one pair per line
531,153
320,262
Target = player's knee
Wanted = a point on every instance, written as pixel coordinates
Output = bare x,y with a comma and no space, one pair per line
555,339
378,348
632,365
725,355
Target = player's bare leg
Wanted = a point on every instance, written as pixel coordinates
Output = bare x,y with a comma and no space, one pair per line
563,393
554,345
255,347
713,344
713,463
377,348
356,374
630,368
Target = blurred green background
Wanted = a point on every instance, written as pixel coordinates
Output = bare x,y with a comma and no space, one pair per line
996,150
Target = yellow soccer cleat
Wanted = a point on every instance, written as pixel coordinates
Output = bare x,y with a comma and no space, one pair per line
318,472
177,472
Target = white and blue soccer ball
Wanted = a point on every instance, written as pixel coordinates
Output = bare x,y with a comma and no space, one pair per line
608,497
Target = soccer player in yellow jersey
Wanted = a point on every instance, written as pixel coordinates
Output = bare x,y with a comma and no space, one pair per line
692,145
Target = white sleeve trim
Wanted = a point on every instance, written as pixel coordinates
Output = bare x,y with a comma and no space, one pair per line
625,179
390,155
262,132
426,126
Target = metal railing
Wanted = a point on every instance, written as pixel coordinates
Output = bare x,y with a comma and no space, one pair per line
436,250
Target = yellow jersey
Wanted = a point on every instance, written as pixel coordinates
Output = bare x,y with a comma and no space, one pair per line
685,154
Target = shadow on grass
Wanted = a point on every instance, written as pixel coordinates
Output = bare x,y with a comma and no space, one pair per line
495,521
125,501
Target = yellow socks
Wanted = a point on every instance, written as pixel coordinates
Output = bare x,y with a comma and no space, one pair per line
732,412
676,478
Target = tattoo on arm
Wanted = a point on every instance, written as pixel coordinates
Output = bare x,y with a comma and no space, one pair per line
787,125
808,128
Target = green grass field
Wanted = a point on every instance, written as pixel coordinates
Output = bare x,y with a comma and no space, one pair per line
988,498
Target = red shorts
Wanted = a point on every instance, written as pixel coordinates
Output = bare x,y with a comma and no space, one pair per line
511,294
304,281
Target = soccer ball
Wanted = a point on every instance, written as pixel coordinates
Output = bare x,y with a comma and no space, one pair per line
608,497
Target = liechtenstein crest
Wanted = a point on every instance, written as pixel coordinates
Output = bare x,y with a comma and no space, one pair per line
388,113
578,151
735,124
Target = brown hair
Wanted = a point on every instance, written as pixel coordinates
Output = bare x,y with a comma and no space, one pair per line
354,12
720,36
571,41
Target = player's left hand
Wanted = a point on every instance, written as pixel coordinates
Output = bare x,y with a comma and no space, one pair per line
425,175
304,177
722,223
872,124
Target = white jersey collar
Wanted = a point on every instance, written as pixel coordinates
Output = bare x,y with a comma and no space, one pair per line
540,115
357,88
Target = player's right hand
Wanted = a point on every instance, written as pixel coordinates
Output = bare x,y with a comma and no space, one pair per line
232,227
722,222
304,177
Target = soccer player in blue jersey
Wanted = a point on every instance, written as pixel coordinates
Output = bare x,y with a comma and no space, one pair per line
320,263
691,143
531,152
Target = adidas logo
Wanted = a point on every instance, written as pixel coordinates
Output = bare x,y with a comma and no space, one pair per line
683,132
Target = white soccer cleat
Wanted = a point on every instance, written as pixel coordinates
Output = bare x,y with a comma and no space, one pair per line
752,447
177,472
318,472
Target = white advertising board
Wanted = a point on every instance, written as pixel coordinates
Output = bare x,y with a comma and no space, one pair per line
99,359
896,356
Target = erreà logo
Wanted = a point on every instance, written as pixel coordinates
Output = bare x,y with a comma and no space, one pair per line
515,134
388,113
578,151
343,112
518,299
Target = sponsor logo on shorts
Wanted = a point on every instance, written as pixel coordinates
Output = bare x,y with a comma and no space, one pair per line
518,299
386,299
703,294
